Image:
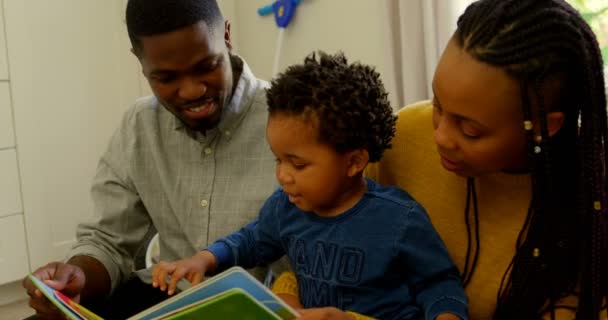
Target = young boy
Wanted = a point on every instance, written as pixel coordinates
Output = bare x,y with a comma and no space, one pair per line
353,244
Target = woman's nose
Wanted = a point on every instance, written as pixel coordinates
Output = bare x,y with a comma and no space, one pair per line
444,135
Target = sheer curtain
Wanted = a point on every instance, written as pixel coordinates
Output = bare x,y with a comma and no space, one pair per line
417,32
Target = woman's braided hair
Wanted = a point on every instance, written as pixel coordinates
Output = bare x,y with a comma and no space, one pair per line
563,246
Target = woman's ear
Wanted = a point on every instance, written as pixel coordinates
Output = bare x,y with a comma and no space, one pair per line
357,161
555,121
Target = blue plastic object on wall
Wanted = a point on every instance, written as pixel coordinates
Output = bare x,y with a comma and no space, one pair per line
283,11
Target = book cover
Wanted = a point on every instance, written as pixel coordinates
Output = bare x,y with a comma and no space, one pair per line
69,307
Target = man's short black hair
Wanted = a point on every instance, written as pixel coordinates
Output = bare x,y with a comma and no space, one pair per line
349,101
152,17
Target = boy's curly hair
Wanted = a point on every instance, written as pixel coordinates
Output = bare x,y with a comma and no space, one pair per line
349,101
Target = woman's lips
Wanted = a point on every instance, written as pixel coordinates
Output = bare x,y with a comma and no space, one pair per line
451,165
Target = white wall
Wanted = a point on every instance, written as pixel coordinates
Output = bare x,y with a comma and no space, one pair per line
72,77
353,26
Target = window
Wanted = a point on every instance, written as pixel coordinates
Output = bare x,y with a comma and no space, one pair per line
595,12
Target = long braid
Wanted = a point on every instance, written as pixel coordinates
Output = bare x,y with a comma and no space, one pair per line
564,241
592,292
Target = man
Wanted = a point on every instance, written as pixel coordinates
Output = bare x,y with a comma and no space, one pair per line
190,162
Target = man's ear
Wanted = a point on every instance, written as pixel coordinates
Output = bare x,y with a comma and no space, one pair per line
357,161
227,39
555,121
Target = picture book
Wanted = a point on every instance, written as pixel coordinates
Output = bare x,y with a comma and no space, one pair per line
212,288
232,294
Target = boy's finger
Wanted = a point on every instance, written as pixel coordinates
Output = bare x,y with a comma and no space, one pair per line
196,278
172,284
155,276
177,275
162,278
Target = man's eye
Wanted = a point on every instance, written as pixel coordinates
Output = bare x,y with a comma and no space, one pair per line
164,79
204,68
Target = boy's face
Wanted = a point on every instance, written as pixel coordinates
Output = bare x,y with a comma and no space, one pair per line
189,71
313,174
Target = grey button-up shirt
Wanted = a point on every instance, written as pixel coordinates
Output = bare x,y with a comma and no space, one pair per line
191,187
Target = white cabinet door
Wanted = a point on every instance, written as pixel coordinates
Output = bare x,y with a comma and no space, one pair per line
72,78
7,139
13,250
10,198
3,61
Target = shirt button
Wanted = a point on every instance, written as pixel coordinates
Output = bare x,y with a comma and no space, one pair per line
227,133
204,203
208,150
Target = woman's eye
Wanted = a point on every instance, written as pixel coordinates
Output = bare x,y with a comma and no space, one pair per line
471,134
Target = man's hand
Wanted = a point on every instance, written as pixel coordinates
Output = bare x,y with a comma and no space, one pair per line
193,269
324,314
66,278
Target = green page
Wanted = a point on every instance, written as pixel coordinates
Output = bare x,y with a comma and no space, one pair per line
232,304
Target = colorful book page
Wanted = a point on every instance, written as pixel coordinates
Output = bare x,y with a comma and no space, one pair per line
77,308
235,277
232,304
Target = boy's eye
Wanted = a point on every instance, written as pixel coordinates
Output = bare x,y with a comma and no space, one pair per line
299,166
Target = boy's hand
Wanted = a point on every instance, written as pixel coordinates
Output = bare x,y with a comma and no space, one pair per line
326,313
193,269
447,316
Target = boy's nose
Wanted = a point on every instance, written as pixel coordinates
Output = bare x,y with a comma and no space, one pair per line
283,176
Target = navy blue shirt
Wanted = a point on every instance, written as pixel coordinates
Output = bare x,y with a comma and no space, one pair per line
381,258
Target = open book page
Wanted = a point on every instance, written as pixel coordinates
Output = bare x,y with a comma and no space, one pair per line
231,304
234,277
